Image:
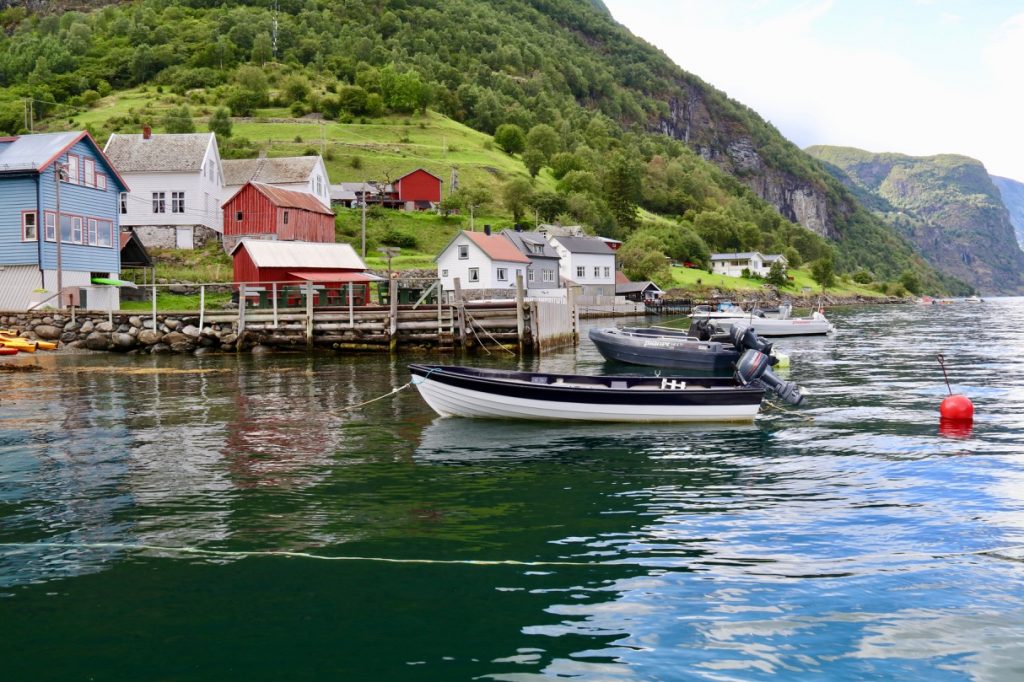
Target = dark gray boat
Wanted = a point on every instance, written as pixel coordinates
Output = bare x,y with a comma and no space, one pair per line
675,349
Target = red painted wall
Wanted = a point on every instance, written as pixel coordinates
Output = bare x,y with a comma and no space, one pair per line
419,186
261,216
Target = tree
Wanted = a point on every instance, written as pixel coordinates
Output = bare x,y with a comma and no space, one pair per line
776,274
516,195
510,137
549,205
641,258
910,281
793,257
622,188
220,123
823,271
534,161
179,120
544,140
262,49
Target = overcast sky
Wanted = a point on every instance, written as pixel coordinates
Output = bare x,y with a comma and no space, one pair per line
918,77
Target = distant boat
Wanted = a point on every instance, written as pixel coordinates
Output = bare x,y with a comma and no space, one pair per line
973,299
925,300
454,391
783,325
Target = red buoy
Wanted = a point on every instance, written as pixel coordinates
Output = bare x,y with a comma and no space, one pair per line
957,407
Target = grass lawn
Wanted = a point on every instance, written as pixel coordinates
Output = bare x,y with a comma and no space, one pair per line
695,280
167,301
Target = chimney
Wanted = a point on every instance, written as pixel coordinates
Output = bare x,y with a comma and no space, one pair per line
147,132
487,229
519,228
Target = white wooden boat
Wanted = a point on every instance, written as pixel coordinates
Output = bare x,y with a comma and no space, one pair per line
495,393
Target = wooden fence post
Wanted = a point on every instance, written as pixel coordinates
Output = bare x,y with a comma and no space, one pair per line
460,311
520,322
309,314
202,306
393,326
241,309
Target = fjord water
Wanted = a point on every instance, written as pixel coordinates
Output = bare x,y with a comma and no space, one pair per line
228,518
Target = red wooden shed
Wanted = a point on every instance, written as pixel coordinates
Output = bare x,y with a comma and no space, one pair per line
258,209
335,269
418,189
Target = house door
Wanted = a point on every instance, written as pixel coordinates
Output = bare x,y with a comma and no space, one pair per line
183,238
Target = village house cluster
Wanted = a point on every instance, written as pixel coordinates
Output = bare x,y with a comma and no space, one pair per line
174,191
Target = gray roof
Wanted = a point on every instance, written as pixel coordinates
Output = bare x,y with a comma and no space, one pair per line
585,245
771,258
349,191
523,239
561,230
169,153
270,171
266,253
735,256
632,287
31,152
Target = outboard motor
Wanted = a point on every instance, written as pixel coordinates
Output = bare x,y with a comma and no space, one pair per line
702,330
753,368
744,338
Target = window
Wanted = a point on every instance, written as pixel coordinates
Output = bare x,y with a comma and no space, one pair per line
463,251
104,233
444,272
76,229
29,227
51,226
548,275
597,271
238,216
529,275
90,172
286,217
502,274
607,271
101,181
581,271
536,248
65,227
177,202
474,274
90,237
158,203
123,199
72,169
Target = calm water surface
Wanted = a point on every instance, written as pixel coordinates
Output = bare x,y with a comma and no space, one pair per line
168,518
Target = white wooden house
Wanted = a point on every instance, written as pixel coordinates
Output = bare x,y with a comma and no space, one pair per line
733,264
487,263
176,182
586,261
296,173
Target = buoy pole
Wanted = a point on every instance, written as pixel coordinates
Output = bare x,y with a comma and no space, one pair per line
954,407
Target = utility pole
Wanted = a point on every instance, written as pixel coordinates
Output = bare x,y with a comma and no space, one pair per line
364,219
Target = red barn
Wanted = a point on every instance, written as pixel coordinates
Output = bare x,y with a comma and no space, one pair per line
263,210
332,268
418,189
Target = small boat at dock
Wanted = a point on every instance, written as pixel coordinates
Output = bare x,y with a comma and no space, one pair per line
676,348
782,325
456,391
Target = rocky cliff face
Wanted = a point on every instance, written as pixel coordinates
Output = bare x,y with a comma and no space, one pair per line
947,205
1012,193
719,137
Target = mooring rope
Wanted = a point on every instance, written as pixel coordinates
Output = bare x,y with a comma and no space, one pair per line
472,326
380,397
780,408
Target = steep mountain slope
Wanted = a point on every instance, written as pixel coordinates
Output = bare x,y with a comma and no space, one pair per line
947,205
562,63
1013,198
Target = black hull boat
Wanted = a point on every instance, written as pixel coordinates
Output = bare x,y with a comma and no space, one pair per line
677,349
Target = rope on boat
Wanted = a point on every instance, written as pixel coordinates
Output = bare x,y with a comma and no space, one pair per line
380,397
473,324
780,408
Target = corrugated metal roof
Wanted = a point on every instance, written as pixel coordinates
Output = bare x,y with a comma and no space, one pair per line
286,198
335,276
734,256
32,152
496,247
300,255
585,245
281,170
167,153
523,240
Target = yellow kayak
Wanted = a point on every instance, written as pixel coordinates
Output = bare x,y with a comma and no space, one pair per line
12,340
24,345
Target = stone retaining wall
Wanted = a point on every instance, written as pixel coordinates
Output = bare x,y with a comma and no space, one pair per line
124,333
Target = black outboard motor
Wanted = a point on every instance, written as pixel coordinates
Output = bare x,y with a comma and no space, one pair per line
702,330
753,368
744,338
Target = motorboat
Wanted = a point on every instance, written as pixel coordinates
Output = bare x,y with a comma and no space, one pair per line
676,348
782,325
457,391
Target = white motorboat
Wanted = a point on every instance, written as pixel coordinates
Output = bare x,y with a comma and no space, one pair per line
782,325
495,393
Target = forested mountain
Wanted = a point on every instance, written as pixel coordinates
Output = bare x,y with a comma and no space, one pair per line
947,205
616,122
1013,198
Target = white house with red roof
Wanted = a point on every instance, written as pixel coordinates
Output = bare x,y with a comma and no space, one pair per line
481,261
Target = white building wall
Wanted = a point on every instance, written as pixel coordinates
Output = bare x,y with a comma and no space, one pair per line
198,209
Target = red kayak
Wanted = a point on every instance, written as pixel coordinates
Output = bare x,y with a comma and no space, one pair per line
4,350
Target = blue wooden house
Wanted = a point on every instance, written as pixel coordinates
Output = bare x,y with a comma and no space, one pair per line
86,224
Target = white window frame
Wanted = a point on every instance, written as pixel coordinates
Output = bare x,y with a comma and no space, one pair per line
463,251
123,202
530,276
50,226
26,224
159,202
72,169
607,271
474,275
76,229
502,274
90,237
444,272
547,275
105,233
177,202
597,272
101,181
581,272
89,167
